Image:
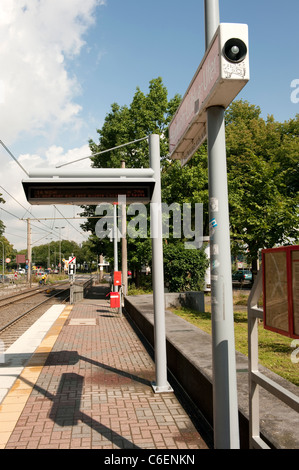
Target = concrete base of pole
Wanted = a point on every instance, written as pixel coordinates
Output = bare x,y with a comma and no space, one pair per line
162,389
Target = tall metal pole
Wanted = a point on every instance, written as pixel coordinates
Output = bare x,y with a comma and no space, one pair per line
225,398
60,247
161,384
124,251
29,252
115,241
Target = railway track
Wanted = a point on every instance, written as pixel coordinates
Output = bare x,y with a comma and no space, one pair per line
19,311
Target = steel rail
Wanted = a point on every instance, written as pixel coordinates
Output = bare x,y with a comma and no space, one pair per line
28,311
30,292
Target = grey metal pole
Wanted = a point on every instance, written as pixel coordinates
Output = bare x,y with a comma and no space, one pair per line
225,397
124,250
212,19
115,241
29,253
161,384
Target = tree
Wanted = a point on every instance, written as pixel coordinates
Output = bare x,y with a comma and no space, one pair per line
9,251
2,226
262,159
148,113
49,253
262,163
188,184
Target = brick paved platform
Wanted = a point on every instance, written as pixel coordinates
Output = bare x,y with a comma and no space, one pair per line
88,386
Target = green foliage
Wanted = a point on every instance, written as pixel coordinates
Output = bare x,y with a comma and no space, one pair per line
2,226
262,162
49,253
148,113
9,251
188,184
262,165
184,270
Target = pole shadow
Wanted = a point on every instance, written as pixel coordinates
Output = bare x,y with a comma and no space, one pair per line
65,410
57,358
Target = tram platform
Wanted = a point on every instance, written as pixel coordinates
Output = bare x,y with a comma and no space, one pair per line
80,378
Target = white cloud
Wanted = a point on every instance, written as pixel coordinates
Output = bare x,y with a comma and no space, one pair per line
55,155
39,41
16,203
37,38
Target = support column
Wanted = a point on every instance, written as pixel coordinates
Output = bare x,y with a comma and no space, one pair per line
124,251
225,397
115,241
161,384
29,252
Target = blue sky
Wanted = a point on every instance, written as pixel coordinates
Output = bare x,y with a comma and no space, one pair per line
67,61
141,40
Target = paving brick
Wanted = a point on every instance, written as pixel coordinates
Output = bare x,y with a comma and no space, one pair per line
94,391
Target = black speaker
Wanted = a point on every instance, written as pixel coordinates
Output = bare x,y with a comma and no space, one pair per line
235,50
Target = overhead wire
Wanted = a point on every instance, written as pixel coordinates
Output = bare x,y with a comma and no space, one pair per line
18,163
103,151
81,233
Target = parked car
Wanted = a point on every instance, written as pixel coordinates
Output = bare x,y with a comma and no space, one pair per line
242,275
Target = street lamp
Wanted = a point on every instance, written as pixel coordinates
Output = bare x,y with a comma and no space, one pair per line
60,247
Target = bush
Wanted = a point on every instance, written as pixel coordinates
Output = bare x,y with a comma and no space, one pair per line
184,269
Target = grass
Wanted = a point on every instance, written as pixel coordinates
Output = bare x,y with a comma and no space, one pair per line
51,278
133,290
274,349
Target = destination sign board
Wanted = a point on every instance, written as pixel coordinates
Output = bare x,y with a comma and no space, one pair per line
217,81
87,191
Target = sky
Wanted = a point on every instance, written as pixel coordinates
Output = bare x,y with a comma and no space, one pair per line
64,62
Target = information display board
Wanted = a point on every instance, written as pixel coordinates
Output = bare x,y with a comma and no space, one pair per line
87,191
281,290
